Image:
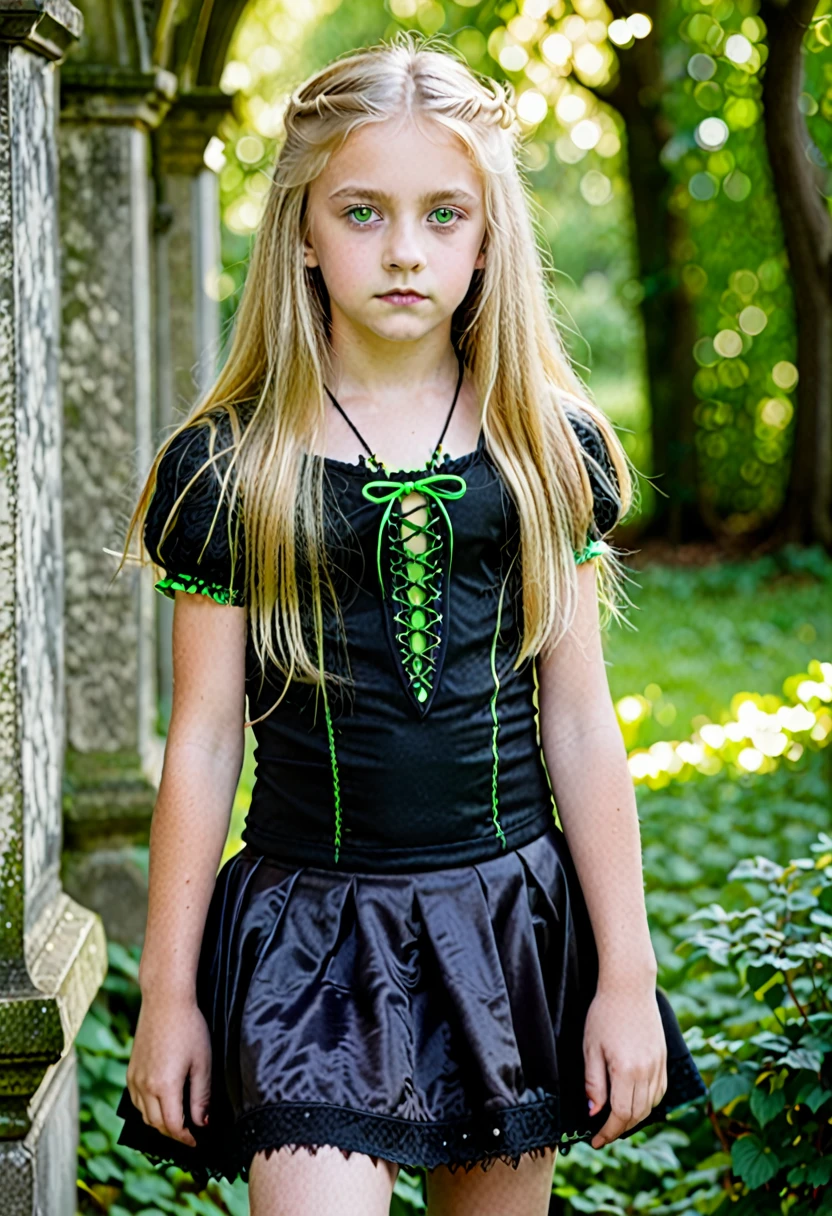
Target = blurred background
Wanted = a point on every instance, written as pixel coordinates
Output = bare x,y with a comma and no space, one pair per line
678,156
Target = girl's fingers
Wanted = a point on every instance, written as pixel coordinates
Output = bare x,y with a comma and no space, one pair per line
660,1087
152,1113
621,1102
200,1092
173,1113
642,1100
138,1101
595,1077
159,1111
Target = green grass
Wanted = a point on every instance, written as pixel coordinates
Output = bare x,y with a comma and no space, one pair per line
704,635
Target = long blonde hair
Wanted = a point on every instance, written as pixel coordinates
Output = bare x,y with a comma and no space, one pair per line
271,386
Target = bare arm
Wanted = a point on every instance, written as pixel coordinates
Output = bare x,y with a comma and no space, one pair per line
587,763
203,757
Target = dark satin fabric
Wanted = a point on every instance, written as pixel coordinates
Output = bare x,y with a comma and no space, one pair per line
426,1018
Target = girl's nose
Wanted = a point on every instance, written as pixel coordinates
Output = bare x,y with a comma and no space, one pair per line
404,248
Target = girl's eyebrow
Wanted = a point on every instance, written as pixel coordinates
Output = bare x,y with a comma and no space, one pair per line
434,196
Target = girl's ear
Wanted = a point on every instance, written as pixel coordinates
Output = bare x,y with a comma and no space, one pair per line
310,258
479,264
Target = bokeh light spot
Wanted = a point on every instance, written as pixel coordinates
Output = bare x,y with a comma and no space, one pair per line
250,149
608,145
750,759
619,32
738,49
728,343
596,188
703,186
585,134
711,133
214,154
235,76
704,352
570,107
744,282
639,25
588,59
741,113
709,95
513,58
737,186
536,9
776,412
752,320
630,709
557,49
522,27
700,66
532,106
784,375
566,151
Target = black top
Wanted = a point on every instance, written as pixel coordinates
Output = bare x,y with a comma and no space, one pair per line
430,756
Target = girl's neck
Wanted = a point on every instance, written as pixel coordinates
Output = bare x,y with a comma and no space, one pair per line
401,426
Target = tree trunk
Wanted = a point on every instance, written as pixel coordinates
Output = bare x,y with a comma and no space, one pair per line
806,516
669,327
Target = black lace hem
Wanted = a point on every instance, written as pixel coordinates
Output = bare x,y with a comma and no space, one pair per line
480,1140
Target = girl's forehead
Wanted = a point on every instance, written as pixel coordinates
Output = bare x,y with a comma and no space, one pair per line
403,158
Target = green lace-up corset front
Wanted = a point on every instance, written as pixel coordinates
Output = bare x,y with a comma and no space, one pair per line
413,556
426,754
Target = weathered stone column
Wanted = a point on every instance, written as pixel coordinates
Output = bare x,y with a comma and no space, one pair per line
52,950
187,266
114,750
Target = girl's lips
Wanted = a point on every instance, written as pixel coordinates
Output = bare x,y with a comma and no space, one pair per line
402,297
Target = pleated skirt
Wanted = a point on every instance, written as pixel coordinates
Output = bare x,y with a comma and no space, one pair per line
427,1018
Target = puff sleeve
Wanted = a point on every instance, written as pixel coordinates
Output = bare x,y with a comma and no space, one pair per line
605,489
193,560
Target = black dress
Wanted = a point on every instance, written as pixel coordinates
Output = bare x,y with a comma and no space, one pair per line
399,960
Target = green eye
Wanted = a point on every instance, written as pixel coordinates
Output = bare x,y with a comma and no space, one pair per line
353,214
448,212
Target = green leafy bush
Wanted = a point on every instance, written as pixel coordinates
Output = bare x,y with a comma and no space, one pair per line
692,833
771,1091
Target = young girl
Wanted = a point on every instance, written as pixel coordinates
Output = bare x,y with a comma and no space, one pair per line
384,527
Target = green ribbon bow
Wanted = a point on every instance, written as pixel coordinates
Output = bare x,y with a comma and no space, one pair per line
437,486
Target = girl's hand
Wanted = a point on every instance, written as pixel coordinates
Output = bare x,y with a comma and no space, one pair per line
172,1041
624,1036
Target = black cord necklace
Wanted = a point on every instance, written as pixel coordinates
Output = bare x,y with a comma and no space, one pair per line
377,465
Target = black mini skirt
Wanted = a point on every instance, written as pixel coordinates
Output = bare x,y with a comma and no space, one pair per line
427,1018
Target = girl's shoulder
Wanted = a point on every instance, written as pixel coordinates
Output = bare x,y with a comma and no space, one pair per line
599,466
193,524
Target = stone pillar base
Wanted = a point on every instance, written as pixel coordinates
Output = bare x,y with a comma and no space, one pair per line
40,1171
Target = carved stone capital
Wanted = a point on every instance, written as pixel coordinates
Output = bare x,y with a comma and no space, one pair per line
191,122
100,93
47,27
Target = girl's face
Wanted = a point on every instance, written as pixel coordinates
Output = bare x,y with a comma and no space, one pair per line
398,206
